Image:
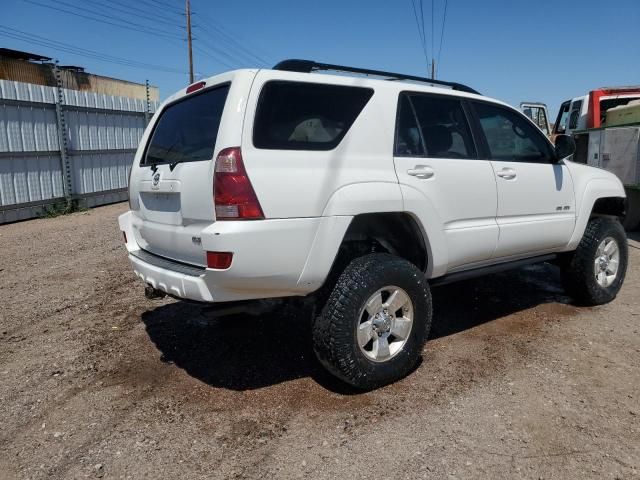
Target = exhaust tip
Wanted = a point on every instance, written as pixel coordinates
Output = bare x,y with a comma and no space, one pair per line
153,293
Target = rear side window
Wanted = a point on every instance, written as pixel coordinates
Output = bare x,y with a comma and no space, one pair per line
187,130
433,126
306,116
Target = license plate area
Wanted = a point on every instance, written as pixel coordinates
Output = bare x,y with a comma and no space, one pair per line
161,207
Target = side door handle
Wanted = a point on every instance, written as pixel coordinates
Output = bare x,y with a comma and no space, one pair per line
421,171
507,173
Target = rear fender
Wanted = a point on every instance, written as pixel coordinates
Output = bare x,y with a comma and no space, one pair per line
345,203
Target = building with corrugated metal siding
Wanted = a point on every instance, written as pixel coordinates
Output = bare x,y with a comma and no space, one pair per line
65,135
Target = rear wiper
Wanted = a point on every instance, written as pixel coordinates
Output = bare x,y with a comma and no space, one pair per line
154,167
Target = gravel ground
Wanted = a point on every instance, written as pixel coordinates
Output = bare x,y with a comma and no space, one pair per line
97,381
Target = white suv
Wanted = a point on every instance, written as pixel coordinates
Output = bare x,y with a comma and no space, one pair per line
360,193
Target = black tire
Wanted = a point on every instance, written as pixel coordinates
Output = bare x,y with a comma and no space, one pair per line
334,330
578,267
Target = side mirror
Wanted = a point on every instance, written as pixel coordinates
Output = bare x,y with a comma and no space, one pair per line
565,146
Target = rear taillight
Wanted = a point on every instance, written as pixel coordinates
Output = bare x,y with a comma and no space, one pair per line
234,196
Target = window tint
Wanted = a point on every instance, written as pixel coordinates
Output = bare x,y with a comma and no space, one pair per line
306,116
439,127
510,136
408,139
187,130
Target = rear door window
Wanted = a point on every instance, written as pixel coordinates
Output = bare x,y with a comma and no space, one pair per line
187,130
306,116
433,126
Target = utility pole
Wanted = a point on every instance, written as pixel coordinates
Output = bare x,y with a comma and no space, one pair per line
433,68
188,8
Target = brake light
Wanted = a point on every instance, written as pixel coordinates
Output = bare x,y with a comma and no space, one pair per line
234,196
195,86
219,260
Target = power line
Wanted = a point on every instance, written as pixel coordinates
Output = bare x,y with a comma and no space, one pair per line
100,14
424,35
156,3
239,50
212,57
232,41
139,29
128,10
219,52
420,32
433,46
444,19
30,38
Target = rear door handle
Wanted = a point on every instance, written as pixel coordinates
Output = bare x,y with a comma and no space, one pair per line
421,171
507,173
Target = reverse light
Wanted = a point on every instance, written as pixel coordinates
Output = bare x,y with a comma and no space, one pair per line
234,196
195,86
219,260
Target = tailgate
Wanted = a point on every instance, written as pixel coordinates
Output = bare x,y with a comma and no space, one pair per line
171,186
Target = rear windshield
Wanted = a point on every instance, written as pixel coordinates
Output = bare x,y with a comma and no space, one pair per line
306,116
187,130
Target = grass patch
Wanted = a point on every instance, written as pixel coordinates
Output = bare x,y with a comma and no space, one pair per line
61,208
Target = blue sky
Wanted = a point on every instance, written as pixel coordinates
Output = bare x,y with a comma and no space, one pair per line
512,50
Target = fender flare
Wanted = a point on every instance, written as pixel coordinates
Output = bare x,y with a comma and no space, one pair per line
365,198
594,190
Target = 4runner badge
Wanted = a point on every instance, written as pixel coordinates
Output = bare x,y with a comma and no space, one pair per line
155,181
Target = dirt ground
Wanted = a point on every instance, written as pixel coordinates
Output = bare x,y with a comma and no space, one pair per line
97,381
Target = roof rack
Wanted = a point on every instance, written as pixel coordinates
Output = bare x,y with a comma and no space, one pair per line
308,66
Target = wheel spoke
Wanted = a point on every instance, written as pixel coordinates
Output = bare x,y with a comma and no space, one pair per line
602,278
381,348
401,328
611,248
396,301
365,332
612,268
374,305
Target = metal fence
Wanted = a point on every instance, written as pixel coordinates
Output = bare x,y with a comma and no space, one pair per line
59,144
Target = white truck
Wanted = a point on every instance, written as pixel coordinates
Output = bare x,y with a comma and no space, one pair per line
359,193
605,124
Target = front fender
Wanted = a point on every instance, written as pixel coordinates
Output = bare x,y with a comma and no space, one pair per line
587,194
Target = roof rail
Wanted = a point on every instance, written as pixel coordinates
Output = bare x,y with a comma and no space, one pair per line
308,66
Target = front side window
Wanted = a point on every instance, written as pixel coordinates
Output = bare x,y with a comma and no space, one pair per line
187,130
433,126
306,116
510,137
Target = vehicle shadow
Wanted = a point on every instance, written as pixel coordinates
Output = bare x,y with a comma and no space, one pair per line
242,352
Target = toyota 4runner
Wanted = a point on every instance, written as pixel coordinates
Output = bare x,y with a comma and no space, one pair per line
360,192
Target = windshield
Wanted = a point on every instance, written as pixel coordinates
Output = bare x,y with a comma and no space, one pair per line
187,130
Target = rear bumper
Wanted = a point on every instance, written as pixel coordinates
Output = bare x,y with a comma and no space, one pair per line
171,277
269,257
